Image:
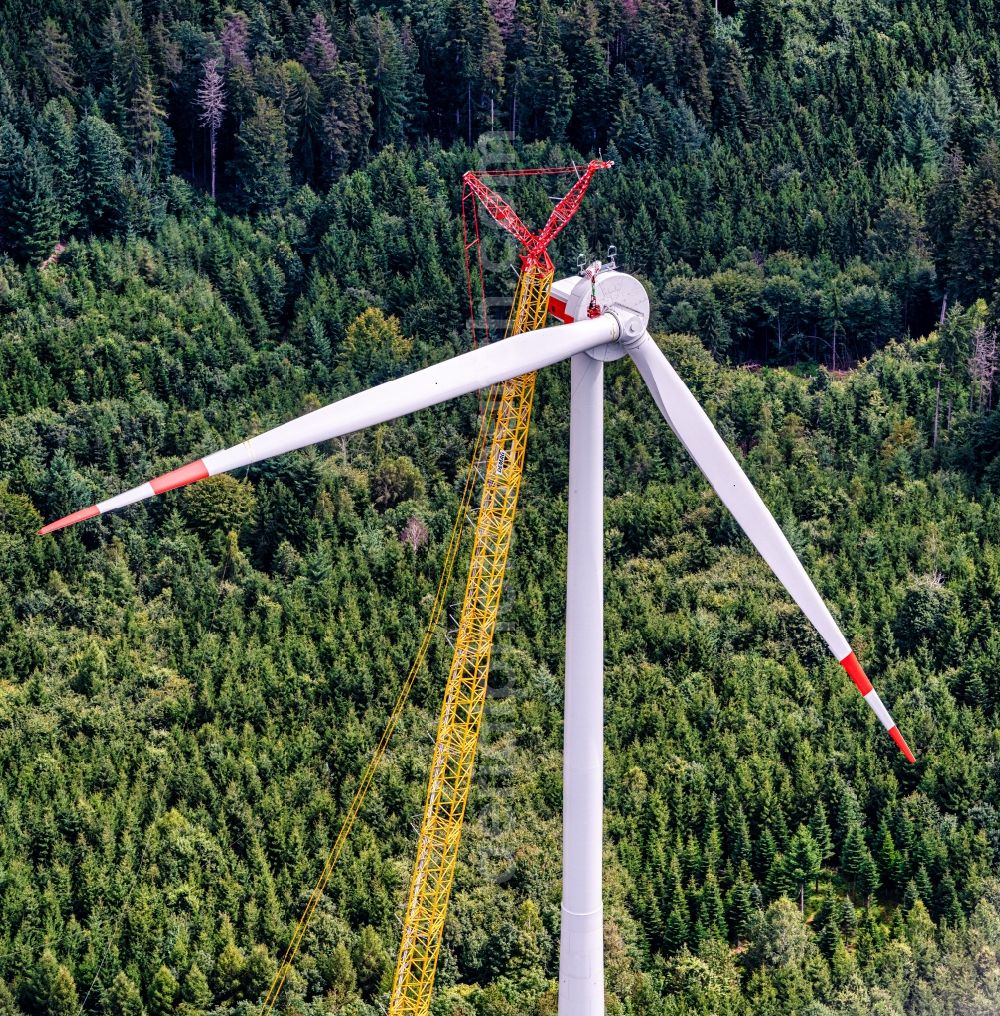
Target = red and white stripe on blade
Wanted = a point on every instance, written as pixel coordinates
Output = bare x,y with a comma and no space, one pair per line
691,424
190,473
461,375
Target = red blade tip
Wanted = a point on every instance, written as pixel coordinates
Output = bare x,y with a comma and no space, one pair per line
901,744
70,520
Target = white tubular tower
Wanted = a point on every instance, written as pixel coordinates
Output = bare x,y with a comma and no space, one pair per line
581,945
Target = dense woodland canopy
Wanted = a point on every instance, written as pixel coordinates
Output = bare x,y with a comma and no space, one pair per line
190,690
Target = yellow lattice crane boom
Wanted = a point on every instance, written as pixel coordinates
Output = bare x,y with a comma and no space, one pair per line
461,716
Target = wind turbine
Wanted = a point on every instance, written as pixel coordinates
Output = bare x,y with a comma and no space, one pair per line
605,313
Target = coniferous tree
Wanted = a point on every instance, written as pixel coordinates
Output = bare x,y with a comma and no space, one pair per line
803,862
32,215
977,242
320,56
869,880
739,837
741,907
8,1007
854,855
828,920
764,30
819,828
146,128
925,890
195,990
910,895
710,910
123,997
55,133
262,160
888,858
848,918
346,124
55,59
11,169
101,174
52,990
163,992
543,84
389,72
234,41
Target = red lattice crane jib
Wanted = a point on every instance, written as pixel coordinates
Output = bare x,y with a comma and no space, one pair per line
535,255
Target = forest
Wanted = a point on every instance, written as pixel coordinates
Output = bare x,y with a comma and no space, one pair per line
214,218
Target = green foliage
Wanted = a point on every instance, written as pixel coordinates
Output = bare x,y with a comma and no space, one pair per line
262,158
220,502
123,998
374,347
190,689
163,992
101,174
51,990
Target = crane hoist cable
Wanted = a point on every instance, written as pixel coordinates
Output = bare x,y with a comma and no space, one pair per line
440,597
505,424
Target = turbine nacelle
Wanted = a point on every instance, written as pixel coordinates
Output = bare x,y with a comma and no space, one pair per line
598,287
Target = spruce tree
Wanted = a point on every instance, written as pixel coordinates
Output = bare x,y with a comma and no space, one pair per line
819,828
544,85
739,837
868,878
710,909
848,918
163,992
32,215
948,906
52,990
387,68
8,1007
741,907
853,855
146,121
827,924
910,895
262,159
101,174
11,170
55,60
764,28
677,929
888,858
977,244
925,890
803,862
347,123
123,997
55,133
196,991
229,973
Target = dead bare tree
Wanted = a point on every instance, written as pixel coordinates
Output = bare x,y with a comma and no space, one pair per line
983,367
212,104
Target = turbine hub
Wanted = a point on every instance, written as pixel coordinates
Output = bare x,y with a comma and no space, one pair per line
602,289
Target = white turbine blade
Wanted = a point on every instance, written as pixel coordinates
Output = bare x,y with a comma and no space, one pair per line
692,426
480,368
